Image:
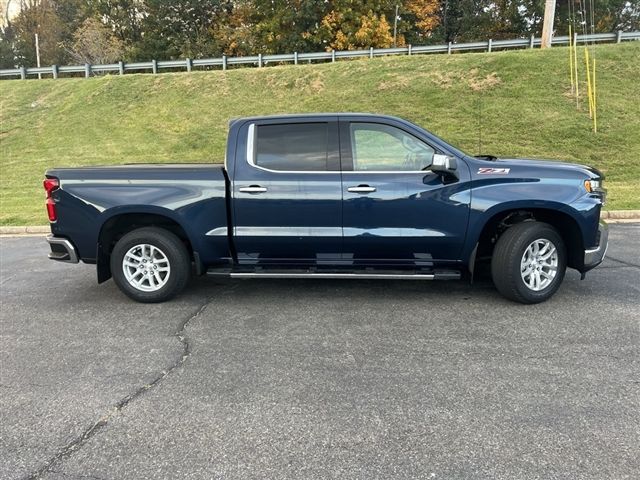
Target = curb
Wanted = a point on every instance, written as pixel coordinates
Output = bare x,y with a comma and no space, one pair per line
614,216
31,230
621,215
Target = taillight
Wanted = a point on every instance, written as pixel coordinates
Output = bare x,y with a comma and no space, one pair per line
50,185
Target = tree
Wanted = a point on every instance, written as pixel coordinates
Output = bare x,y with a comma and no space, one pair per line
609,15
350,25
7,52
182,28
286,25
124,17
236,36
39,17
95,43
425,13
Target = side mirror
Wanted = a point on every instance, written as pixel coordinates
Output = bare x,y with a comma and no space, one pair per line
444,165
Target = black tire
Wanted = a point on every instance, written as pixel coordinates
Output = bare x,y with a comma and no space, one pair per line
170,246
507,257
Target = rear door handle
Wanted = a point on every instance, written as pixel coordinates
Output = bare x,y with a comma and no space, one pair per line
361,189
253,189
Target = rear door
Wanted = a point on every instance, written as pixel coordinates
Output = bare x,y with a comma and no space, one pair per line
396,211
287,192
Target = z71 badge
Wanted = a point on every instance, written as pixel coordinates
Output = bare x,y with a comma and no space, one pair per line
493,171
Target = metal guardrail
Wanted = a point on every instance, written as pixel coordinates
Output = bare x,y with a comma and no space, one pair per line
261,60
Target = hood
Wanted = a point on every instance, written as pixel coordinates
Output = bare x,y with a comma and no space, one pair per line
549,165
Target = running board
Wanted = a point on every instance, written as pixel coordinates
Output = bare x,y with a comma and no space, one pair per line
437,275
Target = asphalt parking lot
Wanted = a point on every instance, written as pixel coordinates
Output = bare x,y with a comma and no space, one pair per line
318,379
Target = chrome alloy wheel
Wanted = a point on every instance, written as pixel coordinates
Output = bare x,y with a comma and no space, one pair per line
146,267
539,264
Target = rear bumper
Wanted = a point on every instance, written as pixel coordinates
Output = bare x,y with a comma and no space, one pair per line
62,250
594,256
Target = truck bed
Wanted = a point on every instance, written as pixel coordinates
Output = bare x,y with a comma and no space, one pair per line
192,195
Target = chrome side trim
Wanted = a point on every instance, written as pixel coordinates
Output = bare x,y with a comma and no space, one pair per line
383,232
252,189
288,231
273,231
362,189
367,276
71,255
217,232
251,137
278,232
359,172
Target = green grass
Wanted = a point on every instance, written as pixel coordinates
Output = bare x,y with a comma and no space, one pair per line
523,97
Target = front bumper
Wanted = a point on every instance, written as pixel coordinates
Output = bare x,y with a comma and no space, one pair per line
594,256
62,250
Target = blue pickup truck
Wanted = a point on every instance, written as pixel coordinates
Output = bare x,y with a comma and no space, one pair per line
330,196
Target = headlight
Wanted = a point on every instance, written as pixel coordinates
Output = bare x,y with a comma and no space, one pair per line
592,185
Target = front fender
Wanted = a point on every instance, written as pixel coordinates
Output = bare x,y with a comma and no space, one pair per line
561,198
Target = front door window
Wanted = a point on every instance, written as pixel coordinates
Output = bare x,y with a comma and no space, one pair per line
377,147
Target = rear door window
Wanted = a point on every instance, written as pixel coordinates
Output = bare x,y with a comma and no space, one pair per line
292,147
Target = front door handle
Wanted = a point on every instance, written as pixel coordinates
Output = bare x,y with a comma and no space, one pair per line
253,189
361,189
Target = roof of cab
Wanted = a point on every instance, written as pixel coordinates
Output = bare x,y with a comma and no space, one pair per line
313,115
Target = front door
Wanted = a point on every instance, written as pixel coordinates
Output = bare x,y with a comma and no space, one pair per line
287,192
395,211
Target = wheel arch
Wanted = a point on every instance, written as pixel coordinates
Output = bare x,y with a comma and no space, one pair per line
566,225
120,223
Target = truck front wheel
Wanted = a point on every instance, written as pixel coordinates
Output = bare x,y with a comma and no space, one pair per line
529,262
150,265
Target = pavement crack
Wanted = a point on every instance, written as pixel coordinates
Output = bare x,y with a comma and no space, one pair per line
624,262
74,445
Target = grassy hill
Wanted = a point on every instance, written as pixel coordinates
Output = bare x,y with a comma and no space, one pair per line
518,102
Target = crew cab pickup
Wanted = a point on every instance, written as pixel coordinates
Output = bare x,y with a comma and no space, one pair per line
330,196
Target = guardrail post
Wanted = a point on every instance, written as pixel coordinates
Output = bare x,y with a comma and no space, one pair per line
154,66
575,38
259,60
121,67
224,62
333,56
87,70
531,41
189,64
619,36
295,58
370,52
23,73
449,48
409,49
489,45
54,71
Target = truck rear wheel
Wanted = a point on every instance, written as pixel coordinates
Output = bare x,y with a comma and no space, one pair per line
529,262
150,265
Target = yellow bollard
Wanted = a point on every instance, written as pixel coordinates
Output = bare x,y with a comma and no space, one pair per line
595,110
586,61
571,61
575,66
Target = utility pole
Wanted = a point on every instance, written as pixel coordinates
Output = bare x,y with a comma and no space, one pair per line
38,56
547,27
395,27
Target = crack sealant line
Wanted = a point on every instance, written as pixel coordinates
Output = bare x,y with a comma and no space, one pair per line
71,447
